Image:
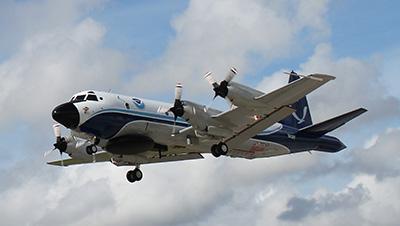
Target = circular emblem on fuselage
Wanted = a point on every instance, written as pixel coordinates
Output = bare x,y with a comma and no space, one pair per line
138,102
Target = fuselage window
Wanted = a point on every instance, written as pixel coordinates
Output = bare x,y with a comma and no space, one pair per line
92,97
127,106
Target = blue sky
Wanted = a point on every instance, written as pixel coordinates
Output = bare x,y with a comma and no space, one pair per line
52,49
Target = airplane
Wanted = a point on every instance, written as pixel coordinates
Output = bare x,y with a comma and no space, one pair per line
132,131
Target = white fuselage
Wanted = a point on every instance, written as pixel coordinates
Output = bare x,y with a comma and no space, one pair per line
153,120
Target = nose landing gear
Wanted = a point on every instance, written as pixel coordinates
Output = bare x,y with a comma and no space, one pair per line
219,149
134,175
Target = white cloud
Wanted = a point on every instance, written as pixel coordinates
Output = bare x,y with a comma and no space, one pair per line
357,84
52,66
214,35
210,35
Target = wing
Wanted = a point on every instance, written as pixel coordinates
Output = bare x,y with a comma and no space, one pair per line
245,122
100,157
129,159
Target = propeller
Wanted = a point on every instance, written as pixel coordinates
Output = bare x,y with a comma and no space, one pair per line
177,109
221,89
61,143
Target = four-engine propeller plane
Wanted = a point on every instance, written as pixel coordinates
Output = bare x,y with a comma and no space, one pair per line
131,131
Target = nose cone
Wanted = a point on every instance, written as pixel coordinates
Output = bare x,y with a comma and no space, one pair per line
67,115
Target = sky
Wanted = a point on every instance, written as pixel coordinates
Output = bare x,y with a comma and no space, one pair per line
51,49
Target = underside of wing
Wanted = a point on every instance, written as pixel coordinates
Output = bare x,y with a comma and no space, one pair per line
259,125
99,157
140,159
125,160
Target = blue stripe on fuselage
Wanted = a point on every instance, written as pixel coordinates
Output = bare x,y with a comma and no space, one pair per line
107,123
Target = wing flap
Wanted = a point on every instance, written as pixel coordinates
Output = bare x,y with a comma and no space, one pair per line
259,125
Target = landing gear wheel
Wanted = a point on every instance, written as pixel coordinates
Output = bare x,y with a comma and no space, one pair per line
223,148
214,151
91,149
138,174
134,175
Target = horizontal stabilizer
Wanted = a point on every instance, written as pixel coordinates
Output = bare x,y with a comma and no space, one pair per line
327,126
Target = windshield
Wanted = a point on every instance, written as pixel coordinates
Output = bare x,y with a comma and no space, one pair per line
92,97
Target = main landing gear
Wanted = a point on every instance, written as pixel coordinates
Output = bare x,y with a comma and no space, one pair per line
91,149
134,175
219,149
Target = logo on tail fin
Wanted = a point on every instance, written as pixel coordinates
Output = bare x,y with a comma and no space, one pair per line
301,120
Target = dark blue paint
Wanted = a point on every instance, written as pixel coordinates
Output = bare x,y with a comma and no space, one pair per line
107,124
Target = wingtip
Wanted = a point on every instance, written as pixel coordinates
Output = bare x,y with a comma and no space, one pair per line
323,77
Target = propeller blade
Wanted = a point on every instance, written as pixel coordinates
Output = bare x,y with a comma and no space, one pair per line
231,74
62,159
173,129
57,130
178,91
46,153
211,80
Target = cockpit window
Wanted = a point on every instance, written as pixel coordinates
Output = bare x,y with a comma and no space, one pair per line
92,97
79,98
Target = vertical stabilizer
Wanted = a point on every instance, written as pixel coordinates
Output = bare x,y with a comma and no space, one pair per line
301,117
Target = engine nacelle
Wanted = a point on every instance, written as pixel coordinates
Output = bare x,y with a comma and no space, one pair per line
196,114
244,96
76,148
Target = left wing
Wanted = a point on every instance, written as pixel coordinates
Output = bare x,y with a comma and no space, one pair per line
262,111
100,157
128,159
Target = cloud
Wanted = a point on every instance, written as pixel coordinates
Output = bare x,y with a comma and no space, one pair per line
214,35
21,20
52,66
66,57
357,84
300,208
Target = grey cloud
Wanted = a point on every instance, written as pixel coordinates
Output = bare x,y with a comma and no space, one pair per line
381,159
300,208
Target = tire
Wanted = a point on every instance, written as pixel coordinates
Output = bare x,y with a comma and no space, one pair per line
214,151
223,149
89,150
130,176
94,148
138,174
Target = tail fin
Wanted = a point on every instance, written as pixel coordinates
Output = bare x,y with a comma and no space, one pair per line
301,117
322,128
